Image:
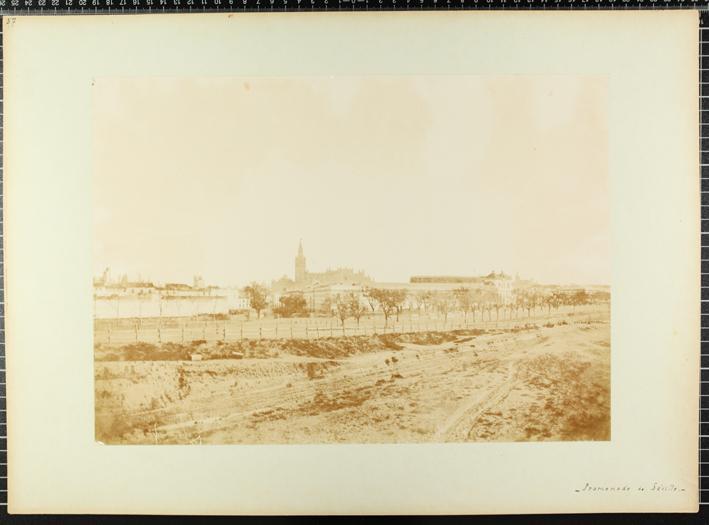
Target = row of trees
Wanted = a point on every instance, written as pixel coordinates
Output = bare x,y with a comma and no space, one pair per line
472,301
391,302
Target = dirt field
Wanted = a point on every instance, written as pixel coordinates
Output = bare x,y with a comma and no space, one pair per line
537,383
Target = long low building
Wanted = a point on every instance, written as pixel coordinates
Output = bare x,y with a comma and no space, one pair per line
126,299
320,290
323,296
128,306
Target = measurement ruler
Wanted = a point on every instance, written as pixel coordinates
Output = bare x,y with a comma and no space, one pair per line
704,163
17,7
3,387
61,7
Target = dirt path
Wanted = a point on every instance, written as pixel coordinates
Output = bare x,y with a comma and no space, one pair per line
458,425
472,389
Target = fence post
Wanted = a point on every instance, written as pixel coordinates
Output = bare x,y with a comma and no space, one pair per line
241,331
224,332
259,332
183,333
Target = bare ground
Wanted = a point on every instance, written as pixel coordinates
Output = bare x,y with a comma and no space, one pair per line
540,383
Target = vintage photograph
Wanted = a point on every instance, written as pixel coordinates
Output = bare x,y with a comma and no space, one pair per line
356,259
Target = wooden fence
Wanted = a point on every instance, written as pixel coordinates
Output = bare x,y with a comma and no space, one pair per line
175,330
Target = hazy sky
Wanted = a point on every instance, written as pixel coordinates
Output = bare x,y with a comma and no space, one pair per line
397,176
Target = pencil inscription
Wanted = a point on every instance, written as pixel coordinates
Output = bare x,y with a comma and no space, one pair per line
650,488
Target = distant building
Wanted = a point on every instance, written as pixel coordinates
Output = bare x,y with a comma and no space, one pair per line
450,279
331,276
123,289
304,280
321,297
300,268
138,299
104,278
124,298
321,288
501,284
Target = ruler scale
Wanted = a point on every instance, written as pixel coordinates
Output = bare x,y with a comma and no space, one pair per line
704,372
62,7
3,384
58,7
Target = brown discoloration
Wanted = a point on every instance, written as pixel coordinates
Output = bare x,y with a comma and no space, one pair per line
544,383
453,282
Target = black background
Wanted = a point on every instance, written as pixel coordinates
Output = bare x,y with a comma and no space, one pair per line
58,7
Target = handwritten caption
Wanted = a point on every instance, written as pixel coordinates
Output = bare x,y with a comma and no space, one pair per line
651,487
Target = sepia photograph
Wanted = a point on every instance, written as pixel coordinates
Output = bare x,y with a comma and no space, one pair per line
371,263
351,259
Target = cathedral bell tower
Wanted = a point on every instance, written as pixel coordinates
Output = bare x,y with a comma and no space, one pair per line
300,265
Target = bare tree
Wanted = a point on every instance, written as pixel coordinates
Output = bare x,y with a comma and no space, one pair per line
485,298
424,299
342,307
258,297
444,303
580,297
510,309
551,301
326,306
389,301
398,297
465,300
357,310
496,305
538,298
519,302
476,307
529,303
371,298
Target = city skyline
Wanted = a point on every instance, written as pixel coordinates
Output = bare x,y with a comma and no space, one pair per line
116,276
391,175
378,212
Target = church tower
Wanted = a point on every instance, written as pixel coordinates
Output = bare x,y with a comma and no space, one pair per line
300,265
